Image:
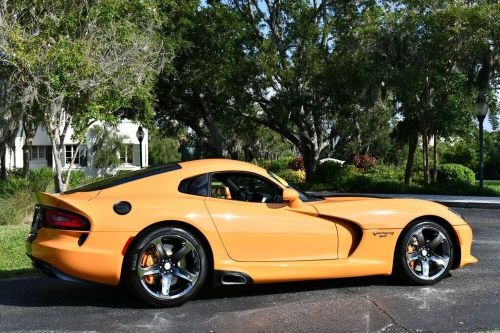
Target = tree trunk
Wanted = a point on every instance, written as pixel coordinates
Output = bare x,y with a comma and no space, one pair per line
26,158
425,149
435,158
216,140
412,147
29,128
3,167
311,157
59,185
57,135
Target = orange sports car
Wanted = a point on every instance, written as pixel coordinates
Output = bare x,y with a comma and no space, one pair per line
164,232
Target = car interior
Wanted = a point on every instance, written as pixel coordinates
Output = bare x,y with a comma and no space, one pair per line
244,187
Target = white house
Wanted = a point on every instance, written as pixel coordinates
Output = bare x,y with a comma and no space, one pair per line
41,150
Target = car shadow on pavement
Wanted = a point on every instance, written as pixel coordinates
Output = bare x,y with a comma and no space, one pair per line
47,292
292,287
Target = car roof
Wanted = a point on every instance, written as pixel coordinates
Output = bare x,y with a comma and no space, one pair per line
219,164
174,172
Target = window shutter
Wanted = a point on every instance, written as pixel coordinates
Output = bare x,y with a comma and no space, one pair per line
83,156
136,155
48,154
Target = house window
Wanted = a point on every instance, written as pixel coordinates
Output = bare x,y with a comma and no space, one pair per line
71,151
127,154
37,153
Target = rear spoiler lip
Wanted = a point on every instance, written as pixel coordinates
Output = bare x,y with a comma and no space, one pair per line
44,197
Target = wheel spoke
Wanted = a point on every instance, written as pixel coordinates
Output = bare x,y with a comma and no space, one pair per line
184,274
159,247
440,261
436,241
411,256
420,237
425,268
150,270
166,280
183,251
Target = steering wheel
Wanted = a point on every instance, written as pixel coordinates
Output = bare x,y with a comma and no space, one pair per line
243,194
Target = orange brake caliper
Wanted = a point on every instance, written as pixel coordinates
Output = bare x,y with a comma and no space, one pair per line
146,261
409,249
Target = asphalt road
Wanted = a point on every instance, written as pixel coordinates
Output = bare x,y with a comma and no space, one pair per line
468,300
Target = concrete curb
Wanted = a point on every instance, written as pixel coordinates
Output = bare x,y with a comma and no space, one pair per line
447,200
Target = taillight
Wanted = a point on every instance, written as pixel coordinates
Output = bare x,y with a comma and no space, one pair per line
64,220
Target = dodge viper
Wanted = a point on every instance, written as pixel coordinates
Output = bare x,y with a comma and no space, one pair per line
165,232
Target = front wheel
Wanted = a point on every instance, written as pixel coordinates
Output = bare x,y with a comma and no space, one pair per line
424,254
166,267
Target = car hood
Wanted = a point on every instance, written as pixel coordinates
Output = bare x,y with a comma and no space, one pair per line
376,213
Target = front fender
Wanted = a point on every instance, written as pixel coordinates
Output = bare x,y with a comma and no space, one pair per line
386,213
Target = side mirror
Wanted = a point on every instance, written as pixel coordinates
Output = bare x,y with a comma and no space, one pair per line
291,196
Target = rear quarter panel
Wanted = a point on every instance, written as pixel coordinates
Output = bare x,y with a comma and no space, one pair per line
148,209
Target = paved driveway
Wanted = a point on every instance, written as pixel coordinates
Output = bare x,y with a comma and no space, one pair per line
468,300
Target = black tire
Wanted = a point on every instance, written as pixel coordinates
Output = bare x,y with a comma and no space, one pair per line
172,239
431,263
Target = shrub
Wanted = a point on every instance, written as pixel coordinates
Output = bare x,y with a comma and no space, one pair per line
327,172
122,172
279,165
17,207
106,143
12,185
162,150
40,179
296,163
263,163
356,183
78,178
459,152
16,173
386,172
455,173
292,176
364,162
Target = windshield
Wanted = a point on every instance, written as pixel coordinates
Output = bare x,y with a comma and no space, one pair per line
302,195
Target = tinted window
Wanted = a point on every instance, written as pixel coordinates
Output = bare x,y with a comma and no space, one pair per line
125,178
245,187
195,185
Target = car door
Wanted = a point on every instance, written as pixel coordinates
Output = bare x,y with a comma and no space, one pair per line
258,227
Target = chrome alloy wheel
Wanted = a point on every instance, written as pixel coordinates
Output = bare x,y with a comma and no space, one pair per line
428,253
168,267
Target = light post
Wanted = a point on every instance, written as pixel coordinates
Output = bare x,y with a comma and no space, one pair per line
481,109
140,137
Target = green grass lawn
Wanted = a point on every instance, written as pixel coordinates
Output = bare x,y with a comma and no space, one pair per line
493,184
13,260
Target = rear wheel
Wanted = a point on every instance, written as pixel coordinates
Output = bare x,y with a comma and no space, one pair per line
425,254
166,267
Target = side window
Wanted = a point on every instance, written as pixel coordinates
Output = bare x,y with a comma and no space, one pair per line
195,185
245,187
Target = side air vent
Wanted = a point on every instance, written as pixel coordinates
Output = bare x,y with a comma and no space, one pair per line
82,239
